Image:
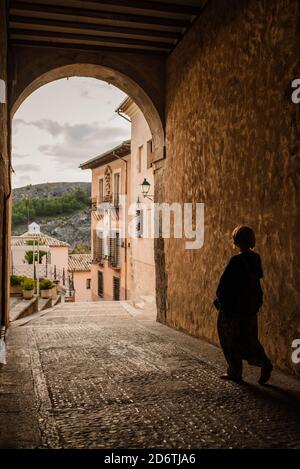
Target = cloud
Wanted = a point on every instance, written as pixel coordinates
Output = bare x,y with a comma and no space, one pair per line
84,93
17,155
50,126
26,168
17,124
80,142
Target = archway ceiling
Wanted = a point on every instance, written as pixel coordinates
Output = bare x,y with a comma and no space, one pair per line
144,26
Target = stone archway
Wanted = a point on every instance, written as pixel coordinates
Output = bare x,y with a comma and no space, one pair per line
143,82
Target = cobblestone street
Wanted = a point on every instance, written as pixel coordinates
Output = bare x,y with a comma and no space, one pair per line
102,375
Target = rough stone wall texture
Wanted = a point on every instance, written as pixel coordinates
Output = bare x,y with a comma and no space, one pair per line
161,281
4,169
233,143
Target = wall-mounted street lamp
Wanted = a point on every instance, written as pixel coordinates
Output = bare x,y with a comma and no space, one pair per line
145,186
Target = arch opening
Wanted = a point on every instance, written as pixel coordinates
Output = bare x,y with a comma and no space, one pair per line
111,76
117,79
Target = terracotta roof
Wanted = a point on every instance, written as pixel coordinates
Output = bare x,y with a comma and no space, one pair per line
80,262
119,151
45,240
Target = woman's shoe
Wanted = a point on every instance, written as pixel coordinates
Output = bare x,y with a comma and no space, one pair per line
227,377
265,374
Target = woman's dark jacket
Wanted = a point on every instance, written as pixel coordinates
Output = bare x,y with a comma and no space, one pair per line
239,291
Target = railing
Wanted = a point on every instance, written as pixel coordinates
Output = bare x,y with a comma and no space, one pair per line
98,260
111,200
114,262
43,271
51,272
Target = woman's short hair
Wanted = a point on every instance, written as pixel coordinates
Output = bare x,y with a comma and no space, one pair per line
243,237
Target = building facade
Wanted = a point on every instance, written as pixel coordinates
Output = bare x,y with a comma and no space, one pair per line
141,251
79,269
110,187
123,266
53,254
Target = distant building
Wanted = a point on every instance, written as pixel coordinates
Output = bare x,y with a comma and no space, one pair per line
54,262
110,180
122,265
141,253
79,269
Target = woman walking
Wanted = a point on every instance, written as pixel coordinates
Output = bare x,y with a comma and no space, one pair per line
238,299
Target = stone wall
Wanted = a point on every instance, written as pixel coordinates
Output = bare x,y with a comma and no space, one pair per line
233,143
4,172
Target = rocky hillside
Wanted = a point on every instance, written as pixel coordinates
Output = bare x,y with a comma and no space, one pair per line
44,201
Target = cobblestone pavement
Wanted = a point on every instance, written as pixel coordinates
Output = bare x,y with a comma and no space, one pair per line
102,375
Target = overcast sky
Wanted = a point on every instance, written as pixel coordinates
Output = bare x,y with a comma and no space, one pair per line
63,124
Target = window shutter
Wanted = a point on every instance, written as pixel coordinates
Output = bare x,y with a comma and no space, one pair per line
101,190
97,246
139,223
117,240
149,154
116,288
94,244
117,189
114,250
100,284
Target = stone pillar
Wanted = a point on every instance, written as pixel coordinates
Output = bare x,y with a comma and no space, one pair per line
4,170
159,248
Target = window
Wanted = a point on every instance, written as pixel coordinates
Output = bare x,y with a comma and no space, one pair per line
149,154
88,283
114,250
117,180
140,159
101,191
116,288
97,246
100,284
139,223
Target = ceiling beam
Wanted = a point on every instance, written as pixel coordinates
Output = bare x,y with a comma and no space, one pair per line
17,22
83,38
42,10
83,47
148,5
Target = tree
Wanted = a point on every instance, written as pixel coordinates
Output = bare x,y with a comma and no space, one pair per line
28,258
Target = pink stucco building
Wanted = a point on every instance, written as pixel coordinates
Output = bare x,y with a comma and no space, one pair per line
79,268
141,254
122,264
54,262
110,181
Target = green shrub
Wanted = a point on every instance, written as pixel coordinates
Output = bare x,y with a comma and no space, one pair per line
67,203
46,284
28,258
16,280
28,284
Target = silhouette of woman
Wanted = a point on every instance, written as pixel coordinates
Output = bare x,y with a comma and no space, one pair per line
238,299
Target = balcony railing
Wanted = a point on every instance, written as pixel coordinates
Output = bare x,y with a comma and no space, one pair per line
99,260
114,262
106,202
